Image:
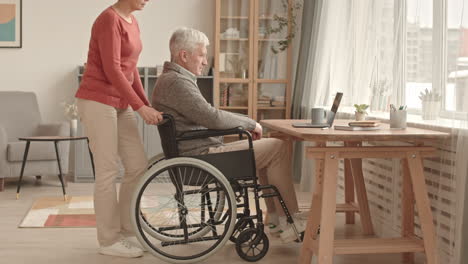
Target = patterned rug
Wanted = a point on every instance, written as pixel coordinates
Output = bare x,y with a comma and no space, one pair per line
78,211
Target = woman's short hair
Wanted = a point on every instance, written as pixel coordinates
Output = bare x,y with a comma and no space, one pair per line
187,39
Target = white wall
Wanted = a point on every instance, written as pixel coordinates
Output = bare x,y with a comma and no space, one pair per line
55,41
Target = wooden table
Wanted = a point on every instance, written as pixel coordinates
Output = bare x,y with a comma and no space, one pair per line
54,139
324,207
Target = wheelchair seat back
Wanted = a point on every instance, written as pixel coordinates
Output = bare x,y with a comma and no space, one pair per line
167,134
234,165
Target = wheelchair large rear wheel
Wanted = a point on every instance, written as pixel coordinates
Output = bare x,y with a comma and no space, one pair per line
164,236
179,200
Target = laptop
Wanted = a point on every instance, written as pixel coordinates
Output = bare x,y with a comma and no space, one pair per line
330,115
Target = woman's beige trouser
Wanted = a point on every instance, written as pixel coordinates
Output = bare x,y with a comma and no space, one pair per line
113,136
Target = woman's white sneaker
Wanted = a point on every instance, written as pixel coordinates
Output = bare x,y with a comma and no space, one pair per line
136,243
121,248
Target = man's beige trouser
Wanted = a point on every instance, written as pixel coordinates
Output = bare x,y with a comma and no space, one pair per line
273,162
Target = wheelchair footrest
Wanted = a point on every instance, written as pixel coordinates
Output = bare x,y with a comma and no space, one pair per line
268,195
190,240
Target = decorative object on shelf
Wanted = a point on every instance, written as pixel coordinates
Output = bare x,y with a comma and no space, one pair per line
360,112
231,33
10,24
71,112
430,101
238,65
281,23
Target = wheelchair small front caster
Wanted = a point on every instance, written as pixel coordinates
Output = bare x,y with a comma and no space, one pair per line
250,250
240,226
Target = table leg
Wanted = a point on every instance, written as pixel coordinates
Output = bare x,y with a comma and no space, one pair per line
313,219
92,159
25,157
328,210
60,170
349,190
423,204
364,211
407,208
361,193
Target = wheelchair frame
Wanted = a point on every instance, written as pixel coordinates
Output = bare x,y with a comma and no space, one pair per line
234,184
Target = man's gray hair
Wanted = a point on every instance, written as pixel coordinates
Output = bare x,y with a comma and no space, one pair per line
186,39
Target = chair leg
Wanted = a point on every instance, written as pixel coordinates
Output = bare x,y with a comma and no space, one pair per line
2,184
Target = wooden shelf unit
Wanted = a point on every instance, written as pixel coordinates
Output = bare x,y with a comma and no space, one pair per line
248,60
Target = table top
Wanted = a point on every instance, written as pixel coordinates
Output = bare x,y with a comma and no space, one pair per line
384,134
51,138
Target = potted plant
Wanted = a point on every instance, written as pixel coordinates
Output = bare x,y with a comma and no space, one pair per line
430,101
360,112
284,22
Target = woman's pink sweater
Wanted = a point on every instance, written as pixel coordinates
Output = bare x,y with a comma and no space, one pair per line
111,76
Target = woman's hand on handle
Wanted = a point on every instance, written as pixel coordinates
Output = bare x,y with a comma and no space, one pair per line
150,115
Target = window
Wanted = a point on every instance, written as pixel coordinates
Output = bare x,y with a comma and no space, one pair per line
436,54
456,37
419,44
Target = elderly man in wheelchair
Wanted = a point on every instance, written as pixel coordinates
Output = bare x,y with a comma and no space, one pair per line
195,197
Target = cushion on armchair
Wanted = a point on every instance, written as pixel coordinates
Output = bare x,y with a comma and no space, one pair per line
37,151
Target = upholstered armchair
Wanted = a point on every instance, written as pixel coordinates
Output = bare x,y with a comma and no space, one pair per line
20,117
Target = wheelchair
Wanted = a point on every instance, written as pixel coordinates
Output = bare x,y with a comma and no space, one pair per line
185,208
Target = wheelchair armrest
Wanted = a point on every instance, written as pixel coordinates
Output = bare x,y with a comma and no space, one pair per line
204,133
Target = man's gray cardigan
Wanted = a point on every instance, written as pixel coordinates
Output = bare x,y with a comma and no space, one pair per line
176,93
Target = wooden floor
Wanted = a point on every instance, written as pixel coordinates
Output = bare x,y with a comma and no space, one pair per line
78,245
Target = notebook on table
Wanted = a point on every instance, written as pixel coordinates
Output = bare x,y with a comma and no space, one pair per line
356,128
365,123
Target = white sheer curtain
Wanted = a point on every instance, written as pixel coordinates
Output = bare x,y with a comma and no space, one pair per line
383,51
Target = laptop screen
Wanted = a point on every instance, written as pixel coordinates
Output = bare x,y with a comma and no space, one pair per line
336,102
334,108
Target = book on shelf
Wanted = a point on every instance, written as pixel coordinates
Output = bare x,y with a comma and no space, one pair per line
264,101
278,103
356,128
365,123
223,96
237,100
278,100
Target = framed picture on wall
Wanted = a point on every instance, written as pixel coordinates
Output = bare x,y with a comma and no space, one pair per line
10,24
